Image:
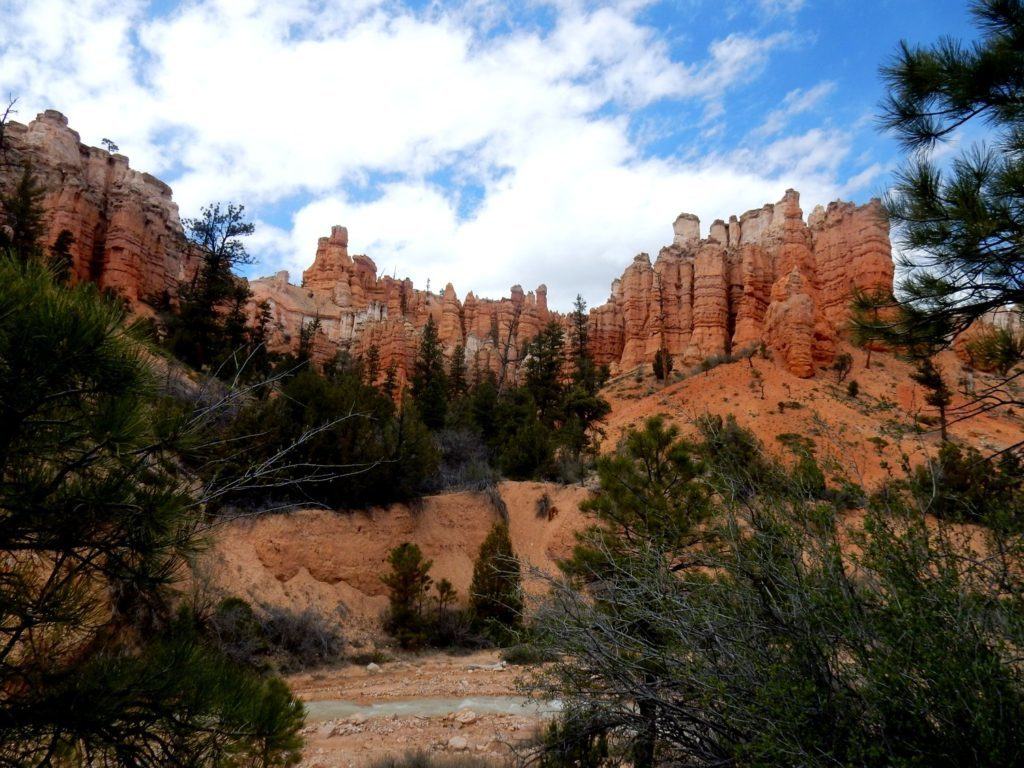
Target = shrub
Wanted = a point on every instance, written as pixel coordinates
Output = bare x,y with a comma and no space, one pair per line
791,646
842,366
275,637
527,654
462,462
852,388
544,507
963,486
429,760
300,639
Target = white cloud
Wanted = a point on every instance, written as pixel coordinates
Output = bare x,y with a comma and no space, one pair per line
796,102
778,7
255,101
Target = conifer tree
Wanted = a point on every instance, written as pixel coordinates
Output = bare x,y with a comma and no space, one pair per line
22,215
496,598
545,357
95,522
961,228
429,381
457,384
937,393
198,335
408,586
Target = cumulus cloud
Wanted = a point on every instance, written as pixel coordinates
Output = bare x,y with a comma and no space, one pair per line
381,118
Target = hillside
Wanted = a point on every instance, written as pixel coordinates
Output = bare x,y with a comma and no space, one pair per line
332,560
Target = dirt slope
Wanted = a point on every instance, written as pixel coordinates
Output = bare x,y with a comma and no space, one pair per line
863,435
333,561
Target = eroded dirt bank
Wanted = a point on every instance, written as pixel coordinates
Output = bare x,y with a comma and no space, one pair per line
333,561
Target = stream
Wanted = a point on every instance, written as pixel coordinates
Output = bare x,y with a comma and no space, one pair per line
333,709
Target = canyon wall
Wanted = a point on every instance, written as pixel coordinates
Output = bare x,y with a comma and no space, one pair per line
766,277
127,234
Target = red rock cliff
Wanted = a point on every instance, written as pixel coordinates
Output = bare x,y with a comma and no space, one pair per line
128,236
766,277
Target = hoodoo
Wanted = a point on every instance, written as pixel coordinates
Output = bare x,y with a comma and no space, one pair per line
766,277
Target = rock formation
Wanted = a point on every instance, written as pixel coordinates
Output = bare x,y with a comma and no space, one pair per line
127,234
358,310
766,277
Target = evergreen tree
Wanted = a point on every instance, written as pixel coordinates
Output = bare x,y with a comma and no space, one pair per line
429,381
937,393
371,365
95,522
22,216
60,255
408,586
496,598
662,365
545,357
580,331
198,335
961,228
457,384
647,498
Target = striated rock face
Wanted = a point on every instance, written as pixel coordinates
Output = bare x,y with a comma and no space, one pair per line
765,277
358,310
128,236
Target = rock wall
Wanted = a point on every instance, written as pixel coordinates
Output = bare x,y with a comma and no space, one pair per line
765,277
358,310
127,234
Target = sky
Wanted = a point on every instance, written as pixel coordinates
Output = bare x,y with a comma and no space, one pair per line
477,142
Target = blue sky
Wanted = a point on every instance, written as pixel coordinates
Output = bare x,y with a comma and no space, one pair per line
477,142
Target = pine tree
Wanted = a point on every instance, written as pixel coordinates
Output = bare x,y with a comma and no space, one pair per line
457,385
961,229
647,497
579,322
429,381
22,216
545,357
95,524
496,598
408,585
938,395
198,335
371,365
662,365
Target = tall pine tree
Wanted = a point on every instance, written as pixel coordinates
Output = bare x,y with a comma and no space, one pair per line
430,381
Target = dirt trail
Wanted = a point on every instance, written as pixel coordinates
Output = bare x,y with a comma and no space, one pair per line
357,740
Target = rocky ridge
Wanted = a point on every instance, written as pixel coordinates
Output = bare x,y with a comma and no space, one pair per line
766,277
127,233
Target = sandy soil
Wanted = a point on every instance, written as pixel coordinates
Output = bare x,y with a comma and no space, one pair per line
357,740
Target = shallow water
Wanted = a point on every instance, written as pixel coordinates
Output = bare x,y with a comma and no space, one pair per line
333,709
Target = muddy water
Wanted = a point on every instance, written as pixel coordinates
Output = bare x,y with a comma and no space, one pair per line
430,707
